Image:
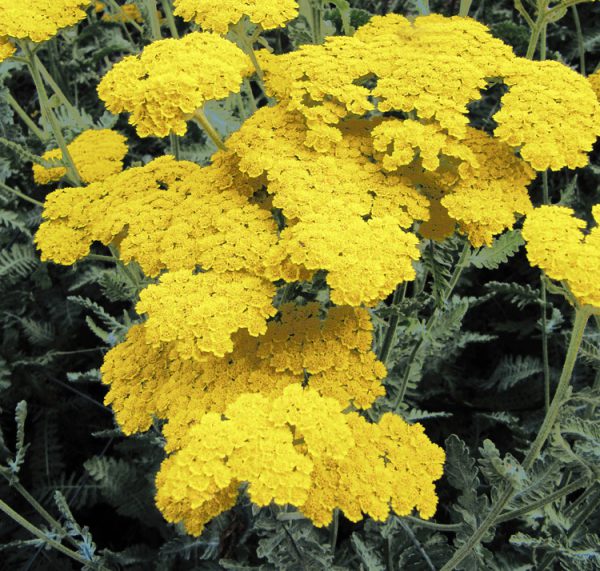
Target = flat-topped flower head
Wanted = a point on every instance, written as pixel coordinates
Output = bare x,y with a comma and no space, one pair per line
206,218
97,154
299,448
550,114
218,15
331,354
163,86
196,314
39,20
557,244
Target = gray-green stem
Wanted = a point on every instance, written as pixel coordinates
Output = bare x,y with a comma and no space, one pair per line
16,517
49,114
21,195
26,118
209,129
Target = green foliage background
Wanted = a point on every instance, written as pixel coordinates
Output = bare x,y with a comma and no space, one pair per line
467,359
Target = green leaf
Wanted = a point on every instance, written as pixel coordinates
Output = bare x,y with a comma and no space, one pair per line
17,262
499,252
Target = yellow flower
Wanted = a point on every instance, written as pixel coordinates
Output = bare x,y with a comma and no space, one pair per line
550,112
218,15
556,244
196,313
39,20
167,215
299,448
96,154
434,66
486,199
394,455
356,255
332,355
171,79
7,49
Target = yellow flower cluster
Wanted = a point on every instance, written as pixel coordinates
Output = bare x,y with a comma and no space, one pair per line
39,20
196,314
166,215
332,355
164,86
7,49
556,244
433,68
218,15
550,113
97,154
300,449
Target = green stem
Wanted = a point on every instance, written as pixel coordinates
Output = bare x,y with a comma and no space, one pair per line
174,142
49,114
560,493
166,4
583,515
533,40
116,9
58,91
153,17
26,118
580,44
465,6
58,528
130,276
460,266
581,318
335,526
390,333
545,358
18,193
209,129
43,537
447,527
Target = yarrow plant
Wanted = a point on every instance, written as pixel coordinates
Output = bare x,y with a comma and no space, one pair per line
258,343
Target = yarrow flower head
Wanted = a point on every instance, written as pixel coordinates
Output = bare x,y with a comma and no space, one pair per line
290,450
205,218
331,354
218,15
97,154
164,86
39,20
550,113
557,245
194,311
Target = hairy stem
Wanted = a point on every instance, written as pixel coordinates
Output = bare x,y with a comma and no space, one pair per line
26,118
48,113
580,45
21,195
16,517
166,5
458,269
465,6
